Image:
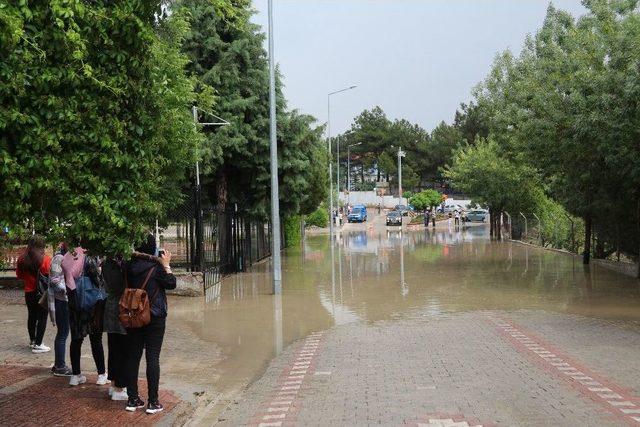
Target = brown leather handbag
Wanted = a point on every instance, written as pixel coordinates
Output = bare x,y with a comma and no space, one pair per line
135,305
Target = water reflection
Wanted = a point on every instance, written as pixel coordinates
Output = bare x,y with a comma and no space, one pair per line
386,274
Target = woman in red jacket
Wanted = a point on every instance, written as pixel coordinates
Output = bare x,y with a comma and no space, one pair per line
30,263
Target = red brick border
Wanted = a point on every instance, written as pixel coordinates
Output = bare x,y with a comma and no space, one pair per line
592,386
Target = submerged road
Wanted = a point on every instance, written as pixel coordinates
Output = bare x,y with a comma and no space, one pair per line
436,327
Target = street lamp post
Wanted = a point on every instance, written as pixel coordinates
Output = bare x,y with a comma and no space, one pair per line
330,155
401,154
349,169
275,196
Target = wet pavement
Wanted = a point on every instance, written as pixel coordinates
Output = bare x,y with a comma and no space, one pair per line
404,312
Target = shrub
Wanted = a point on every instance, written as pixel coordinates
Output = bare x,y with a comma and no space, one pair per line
318,218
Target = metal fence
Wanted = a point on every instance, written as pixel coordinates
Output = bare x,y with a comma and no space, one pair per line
214,241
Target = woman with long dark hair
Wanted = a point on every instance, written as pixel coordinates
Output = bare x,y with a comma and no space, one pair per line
31,263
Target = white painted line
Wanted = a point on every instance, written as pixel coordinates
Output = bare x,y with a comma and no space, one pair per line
323,373
282,409
599,389
293,382
297,372
276,424
559,363
274,417
295,377
287,394
574,373
567,368
630,411
290,387
636,418
547,355
608,396
618,403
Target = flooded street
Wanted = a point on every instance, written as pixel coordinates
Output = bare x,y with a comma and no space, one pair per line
382,274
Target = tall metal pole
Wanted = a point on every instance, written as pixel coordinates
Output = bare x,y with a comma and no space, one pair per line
275,194
330,166
331,157
348,174
338,170
400,155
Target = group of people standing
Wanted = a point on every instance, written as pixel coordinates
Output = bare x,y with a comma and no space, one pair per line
50,290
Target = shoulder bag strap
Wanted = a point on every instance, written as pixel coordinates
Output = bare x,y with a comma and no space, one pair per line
146,280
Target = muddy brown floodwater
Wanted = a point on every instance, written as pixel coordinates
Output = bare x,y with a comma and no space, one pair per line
377,274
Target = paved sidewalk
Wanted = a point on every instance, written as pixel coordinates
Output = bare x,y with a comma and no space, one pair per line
480,368
27,386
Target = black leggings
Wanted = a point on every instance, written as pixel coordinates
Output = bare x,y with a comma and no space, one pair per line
96,350
117,361
148,338
37,319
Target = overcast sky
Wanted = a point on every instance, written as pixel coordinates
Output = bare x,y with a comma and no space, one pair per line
417,59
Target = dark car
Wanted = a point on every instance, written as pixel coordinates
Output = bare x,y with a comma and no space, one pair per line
403,209
394,218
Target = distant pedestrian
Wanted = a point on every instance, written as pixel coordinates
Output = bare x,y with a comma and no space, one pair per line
75,264
425,218
457,218
156,272
433,217
379,208
59,312
449,220
112,273
31,265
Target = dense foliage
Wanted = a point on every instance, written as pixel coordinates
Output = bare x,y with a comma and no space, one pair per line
228,56
564,116
425,199
95,130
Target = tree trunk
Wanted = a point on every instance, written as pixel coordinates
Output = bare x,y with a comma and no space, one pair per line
638,215
221,188
378,170
491,223
499,225
362,174
586,255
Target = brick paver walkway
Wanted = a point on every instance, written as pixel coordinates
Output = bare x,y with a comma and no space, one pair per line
480,368
31,396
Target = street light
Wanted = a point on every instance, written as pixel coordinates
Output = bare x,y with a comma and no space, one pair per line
401,154
275,196
349,169
331,157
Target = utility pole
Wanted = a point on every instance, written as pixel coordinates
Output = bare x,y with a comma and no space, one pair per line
275,194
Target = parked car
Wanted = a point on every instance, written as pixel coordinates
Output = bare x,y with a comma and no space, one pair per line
358,214
476,215
403,209
394,218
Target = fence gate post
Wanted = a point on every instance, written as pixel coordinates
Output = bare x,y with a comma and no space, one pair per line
199,231
526,229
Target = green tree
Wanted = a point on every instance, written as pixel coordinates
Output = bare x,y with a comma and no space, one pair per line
494,180
95,130
426,199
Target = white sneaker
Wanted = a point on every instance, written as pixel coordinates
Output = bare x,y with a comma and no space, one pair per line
102,379
77,380
120,395
111,390
40,349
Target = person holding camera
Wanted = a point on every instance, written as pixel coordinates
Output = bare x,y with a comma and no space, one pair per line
153,273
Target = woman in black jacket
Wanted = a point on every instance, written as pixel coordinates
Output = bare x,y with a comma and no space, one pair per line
148,338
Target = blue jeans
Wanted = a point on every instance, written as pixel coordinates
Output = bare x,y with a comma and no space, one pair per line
62,322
